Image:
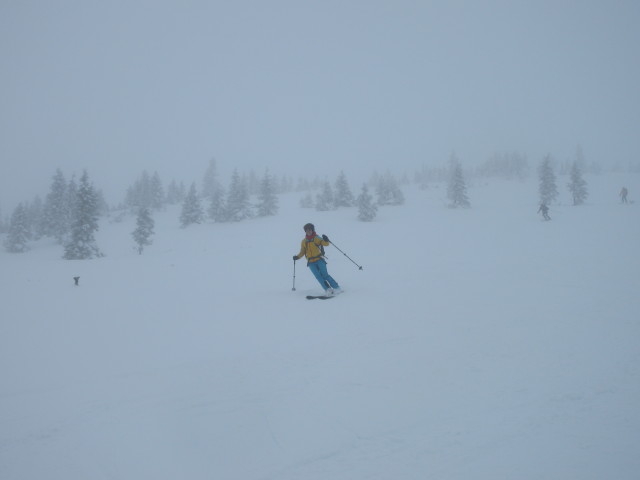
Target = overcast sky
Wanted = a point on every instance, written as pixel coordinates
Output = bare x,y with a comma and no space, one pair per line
308,87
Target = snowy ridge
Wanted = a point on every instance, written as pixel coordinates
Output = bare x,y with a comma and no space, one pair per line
476,343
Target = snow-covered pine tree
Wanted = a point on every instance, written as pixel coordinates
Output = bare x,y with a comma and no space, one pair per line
397,197
367,209
457,187
547,178
55,216
82,244
511,165
156,193
191,209
144,229
210,180
284,185
577,185
237,206
72,203
146,192
130,198
252,182
139,194
34,215
388,190
343,195
325,200
580,160
18,236
217,210
103,206
175,193
267,197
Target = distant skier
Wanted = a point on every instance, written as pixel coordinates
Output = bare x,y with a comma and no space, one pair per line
545,211
312,248
623,195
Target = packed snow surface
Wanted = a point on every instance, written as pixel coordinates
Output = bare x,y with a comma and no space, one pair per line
477,343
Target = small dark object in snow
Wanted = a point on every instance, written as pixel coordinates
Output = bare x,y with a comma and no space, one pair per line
76,279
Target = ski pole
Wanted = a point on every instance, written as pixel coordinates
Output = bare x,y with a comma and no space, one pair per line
294,276
359,267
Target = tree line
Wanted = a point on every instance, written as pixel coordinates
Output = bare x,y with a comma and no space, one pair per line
69,215
70,212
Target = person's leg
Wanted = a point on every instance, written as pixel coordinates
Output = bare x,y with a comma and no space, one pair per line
325,275
314,267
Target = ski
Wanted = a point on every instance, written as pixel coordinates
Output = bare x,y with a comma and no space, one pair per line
319,297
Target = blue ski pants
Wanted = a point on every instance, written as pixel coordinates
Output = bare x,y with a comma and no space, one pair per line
319,270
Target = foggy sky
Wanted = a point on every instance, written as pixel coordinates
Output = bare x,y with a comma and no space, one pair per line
308,88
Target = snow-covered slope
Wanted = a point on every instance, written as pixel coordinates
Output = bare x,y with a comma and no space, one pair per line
474,344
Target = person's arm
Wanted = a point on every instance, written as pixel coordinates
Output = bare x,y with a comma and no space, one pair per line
302,252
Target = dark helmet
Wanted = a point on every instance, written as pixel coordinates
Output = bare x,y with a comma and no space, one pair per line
309,226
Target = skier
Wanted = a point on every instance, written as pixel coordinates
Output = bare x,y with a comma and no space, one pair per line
545,211
623,194
311,247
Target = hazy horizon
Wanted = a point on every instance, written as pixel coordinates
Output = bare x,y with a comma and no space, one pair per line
122,87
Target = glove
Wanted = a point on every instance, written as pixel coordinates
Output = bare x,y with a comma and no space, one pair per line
325,238
295,257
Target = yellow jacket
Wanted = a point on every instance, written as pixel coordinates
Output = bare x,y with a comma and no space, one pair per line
311,249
